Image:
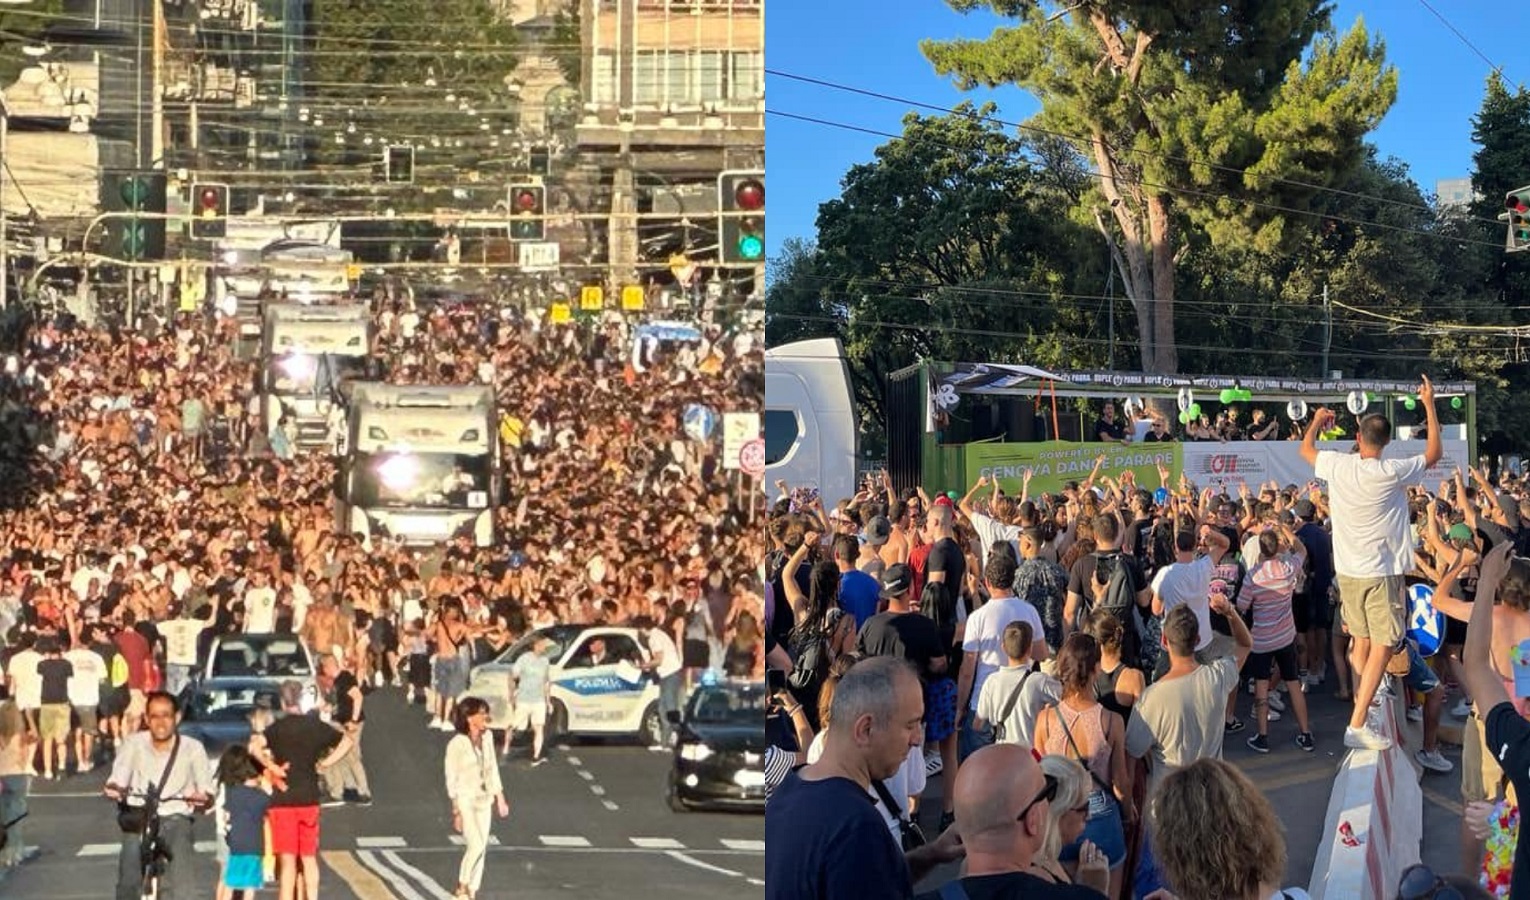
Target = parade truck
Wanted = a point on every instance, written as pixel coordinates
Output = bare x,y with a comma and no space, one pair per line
422,465
810,426
309,357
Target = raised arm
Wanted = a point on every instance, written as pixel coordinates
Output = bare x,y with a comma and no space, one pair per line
1322,419
1482,681
966,503
1433,448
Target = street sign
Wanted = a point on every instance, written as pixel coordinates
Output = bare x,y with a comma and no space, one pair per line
561,314
751,458
592,298
539,256
739,428
699,421
633,297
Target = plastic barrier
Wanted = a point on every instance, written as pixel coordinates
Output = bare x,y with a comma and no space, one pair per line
1378,797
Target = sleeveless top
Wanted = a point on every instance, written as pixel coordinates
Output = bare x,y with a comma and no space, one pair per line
1088,730
1105,691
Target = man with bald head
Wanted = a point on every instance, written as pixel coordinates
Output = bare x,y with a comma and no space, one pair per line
824,837
1002,803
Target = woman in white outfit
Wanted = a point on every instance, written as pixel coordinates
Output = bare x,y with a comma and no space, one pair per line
472,783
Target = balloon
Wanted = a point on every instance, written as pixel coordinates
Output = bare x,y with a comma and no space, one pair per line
1409,403
1184,418
1297,410
1357,402
1227,395
1185,399
1194,410
1455,402
1246,395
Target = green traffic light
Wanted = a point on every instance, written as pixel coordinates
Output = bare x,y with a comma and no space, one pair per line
134,192
751,247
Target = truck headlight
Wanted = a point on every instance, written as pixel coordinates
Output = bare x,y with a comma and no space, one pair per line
695,752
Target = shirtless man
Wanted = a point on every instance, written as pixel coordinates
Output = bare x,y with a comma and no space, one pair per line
326,631
901,543
451,640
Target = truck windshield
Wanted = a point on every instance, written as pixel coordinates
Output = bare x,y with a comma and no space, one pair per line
301,374
411,479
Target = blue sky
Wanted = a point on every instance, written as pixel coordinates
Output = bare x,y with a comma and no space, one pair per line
874,44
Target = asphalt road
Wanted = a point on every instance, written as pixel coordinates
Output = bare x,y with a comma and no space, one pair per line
593,820
1299,784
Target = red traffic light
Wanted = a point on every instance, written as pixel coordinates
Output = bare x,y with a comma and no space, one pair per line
210,197
749,194
1517,202
525,201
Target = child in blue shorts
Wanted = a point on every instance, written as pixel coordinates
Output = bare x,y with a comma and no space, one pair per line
245,799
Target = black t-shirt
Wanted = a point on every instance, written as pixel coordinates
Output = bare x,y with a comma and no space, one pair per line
345,710
300,741
1081,578
910,635
1016,886
946,556
1505,729
827,840
1153,437
1116,430
54,672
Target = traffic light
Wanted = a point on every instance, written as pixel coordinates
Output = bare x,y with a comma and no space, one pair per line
398,164
741,223
1518,204
528,204
209,211
137,230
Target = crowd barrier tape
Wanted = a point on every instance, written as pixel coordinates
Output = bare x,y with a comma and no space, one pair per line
1377,794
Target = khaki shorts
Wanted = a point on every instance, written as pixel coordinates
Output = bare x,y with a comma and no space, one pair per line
1480,772
53,721
528,715
85,718
1373,607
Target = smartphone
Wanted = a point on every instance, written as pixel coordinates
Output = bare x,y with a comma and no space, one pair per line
775,681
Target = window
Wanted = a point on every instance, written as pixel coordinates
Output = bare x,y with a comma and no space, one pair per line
782,428
746,76
648,73
710,66
615,648
603,78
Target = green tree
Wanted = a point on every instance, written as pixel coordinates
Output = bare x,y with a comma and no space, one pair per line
17,27
1191,114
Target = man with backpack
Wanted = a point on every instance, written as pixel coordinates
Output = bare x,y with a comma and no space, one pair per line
1111,580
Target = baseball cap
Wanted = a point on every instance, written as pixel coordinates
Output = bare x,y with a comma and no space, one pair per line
896,579
944,500
878,531
1305,510
1460,532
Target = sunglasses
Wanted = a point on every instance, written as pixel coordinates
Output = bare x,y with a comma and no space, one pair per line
1419,882
1049,793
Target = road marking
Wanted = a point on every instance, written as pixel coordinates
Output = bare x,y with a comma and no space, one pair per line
100,850
692,861
611,806
428,883
750,844
585,775
657,843
461,841
597,790
66,795
362,882
395,880
205,846
1440,800
380,843
1294,779
573,761
559,840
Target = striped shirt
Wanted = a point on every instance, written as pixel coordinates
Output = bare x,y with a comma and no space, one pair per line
1268,594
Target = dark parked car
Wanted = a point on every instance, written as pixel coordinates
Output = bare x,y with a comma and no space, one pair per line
719,754
217,712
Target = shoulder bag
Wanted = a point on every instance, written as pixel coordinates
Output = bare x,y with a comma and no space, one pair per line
131,819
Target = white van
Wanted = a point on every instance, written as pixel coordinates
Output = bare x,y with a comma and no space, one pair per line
810,425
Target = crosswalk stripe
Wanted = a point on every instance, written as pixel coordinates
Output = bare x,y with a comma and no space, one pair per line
572,760
381,843
559,840
657,843
362,882
425,881
746,844
396,881
611,805
100,850
205,846
461,841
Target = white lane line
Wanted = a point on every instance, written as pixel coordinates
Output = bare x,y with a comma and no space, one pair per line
692,861
752,845
585,775
428,883
657,843
755,881
610,805
205,847
572,760
461,841
394,879
597,790
380,843
100,849
560,840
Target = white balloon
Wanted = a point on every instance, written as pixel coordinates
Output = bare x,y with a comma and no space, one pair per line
1297,410
1357,402
1186,397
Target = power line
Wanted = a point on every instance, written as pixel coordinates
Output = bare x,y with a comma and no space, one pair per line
1464,39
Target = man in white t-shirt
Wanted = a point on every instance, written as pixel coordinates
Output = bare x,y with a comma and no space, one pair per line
1372,544
1187,582
22,680
664,661
180,637
260,604
89,670
983,646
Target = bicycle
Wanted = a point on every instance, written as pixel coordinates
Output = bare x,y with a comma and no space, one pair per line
153,854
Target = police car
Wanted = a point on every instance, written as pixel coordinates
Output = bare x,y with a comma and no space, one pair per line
598,686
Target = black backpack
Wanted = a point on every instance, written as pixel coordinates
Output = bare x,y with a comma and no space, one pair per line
1114,590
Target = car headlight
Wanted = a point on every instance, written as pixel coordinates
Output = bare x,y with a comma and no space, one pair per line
695,752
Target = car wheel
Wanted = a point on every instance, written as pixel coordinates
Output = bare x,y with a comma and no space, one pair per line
672,795
651,732
557,722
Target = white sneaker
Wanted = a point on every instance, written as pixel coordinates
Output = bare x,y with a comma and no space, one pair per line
1415,714
1274,716
1462,709
933,765
1365,739
377,679
1433,761
1276,704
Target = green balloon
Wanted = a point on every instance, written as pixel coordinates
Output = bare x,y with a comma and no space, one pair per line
1247,395
1228,395
1409,403
1455,402
1194,411
1184,418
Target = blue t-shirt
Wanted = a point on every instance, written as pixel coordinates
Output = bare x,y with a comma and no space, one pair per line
825,840
859,595
246,809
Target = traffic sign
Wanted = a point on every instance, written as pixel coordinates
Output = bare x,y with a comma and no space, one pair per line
1426,625
560,313
739,428
592,298
633,298
751,458
539,256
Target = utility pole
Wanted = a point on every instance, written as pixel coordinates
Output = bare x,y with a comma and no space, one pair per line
5,256
1327,329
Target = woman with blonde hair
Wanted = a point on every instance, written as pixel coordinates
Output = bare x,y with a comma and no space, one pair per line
1200,856
1066,815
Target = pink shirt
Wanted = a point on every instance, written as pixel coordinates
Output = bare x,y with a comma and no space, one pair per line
1268,593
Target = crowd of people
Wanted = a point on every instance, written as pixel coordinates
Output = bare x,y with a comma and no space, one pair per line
1070,665
150,509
